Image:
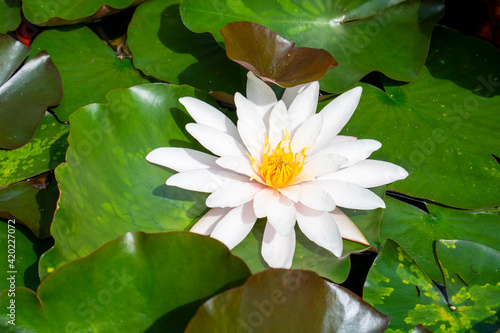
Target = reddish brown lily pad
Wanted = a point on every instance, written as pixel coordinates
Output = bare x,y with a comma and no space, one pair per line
279,300
273,58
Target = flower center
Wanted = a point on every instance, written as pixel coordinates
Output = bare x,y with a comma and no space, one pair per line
279,167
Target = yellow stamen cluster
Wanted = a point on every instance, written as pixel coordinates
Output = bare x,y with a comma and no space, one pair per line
279,167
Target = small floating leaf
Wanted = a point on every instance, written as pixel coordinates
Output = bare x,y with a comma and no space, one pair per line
272,57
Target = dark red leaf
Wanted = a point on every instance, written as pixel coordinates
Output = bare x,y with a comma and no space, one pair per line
273,58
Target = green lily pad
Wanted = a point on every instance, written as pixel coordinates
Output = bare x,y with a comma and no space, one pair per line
442,132
472,281
12,323
138,282
115,138
273,58
287,301
416,231
31,202
58,12
89,68
25,95
362,35
28,250
43,153
10,15
397,286
164,48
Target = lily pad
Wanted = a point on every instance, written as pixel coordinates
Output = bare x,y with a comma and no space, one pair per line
472,281
442,132
10,15
115,138
28,250
31,202
362,35
417,231
164,48
26,93
89,68
44,152
58,12
398,286
273,58
138,282
287,301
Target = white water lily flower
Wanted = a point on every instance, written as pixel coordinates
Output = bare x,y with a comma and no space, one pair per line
282,161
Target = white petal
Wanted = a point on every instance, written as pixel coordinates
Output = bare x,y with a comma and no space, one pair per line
355,151
342,138
280,210
235,226
219,143
283,216
336,114
181,159
251,126
316,197
254,139
319,165
350,195
291,94
206,224
369,173
331,142
237,164
291,192
248,113
321,228
205,114
204,180
233,194
277,250
304,105
278,124
259,93
306,133
263,202
348,229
